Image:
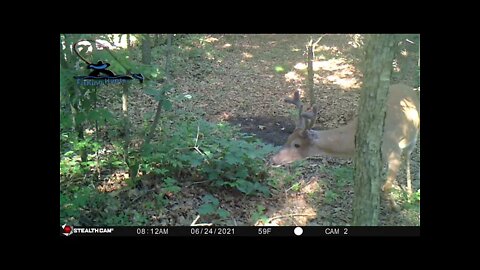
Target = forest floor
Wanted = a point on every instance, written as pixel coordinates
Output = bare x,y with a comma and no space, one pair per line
244,83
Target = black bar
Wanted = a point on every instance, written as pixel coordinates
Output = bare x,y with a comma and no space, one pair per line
235,231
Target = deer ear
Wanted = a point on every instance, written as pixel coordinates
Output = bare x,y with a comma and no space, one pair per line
304,133
308,134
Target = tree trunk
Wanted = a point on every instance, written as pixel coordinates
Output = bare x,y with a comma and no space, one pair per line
66,62
147,49
380,51
310,73
159,40
126,126
159,106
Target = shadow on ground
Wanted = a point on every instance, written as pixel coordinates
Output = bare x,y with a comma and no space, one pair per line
273,130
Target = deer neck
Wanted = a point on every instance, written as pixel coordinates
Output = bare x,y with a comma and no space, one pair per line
338,142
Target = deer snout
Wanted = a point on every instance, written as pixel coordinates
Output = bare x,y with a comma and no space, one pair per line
275,160
284,156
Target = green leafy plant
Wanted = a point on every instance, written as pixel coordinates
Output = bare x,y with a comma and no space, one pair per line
170,185
139,218
296,187
211,206
330,196
343,175
74,203
259,215
70,162
410,202
120,219
214,152
416,196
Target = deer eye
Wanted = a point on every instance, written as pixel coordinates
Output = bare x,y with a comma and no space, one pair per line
297,145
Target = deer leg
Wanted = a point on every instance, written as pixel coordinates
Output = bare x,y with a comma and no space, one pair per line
394,161
409,178
407,163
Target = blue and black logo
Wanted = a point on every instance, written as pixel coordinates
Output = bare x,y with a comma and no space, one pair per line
100,73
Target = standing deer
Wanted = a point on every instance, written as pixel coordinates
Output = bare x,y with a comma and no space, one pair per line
401,128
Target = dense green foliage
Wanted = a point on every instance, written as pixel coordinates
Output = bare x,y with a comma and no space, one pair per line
215,152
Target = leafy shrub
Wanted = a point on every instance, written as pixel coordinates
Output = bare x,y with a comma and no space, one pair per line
215,152
73,203
211,206
416,196
70,162
259,215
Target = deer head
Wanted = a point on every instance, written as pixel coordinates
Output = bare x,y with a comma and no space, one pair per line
303,142
402,123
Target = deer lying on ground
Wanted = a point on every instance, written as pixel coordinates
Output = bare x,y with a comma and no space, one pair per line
402,123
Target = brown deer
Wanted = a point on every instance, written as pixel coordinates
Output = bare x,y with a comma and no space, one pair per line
402,124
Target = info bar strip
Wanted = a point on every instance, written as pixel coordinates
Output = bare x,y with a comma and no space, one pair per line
233,231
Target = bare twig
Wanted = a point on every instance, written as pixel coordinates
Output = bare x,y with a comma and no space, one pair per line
309,181
198,182
298,183
409,41
318,40
200,224
201,153
195,221
146,192
198,150
196,140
